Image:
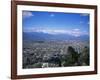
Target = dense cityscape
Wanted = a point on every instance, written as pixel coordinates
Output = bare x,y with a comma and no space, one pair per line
42,54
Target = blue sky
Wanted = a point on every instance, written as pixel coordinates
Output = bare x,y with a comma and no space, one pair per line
75,24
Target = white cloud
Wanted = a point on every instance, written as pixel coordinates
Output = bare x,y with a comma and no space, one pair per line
88,23
76,29
81,22
52,15
27,14
84,14
73,32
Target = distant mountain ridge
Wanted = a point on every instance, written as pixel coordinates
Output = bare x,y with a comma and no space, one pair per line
45,36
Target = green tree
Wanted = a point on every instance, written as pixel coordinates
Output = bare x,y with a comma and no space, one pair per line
71,57
84,56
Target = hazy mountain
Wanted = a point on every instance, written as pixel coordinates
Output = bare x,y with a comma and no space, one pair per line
45,36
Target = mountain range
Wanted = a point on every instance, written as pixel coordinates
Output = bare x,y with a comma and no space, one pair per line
40,36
